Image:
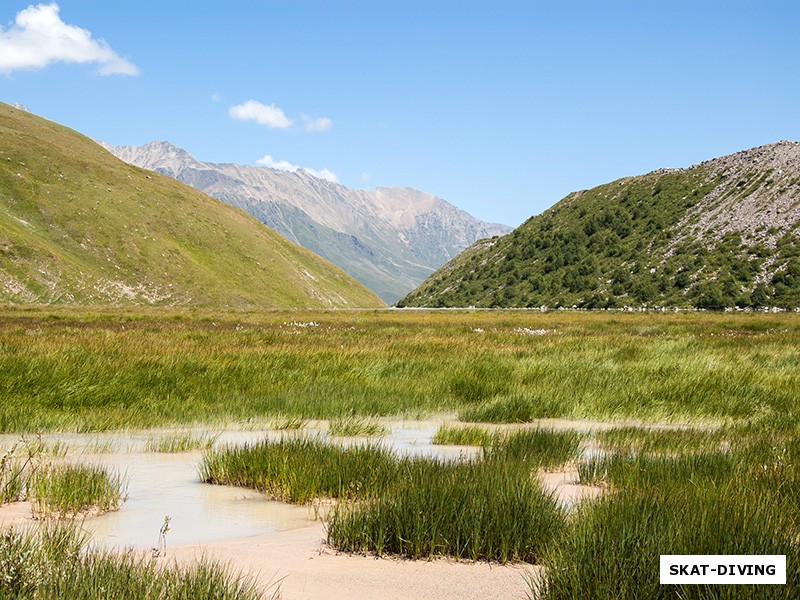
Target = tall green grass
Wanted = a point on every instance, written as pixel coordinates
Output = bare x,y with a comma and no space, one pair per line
463,436
471,510
65,490
95,369
490,508
172,443
18,466
732,501
538,447
57,563
662,441
301,469
356,427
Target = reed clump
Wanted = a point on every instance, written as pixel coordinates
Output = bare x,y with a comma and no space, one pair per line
353,426
57,562
174,443
468,435
738,500
537,448
469,510
490,508
68,490
301,469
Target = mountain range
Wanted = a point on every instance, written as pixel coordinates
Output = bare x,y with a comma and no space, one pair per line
719,234
389,239
79,226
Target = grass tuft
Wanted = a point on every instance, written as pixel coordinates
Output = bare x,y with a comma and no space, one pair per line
57,562
288,423
538,448
463,436
490,509
68,490
356,427
470,510
180,442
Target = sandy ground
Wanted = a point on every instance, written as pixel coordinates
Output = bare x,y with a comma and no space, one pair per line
306,569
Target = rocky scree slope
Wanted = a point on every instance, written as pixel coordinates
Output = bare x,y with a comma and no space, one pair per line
389,239
719,234
79,226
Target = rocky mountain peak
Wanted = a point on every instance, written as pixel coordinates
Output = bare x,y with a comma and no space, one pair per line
389,239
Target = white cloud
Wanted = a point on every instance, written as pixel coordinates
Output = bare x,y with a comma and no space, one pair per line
274,117
282,165
216,97
252,110
285,165
39,37
315,125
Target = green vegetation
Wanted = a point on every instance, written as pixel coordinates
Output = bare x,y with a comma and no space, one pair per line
475,510
90,371
738,501
489,509
57,563
638,440
355,427
180,442
302,469
463,436
288,423
56,489
17,467
69,490
78,226
627,243
537,448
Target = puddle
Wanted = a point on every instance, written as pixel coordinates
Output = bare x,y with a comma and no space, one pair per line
161,484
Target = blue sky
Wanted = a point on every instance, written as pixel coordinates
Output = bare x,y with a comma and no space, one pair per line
501,107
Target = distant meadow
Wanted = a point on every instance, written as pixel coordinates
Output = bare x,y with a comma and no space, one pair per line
94,370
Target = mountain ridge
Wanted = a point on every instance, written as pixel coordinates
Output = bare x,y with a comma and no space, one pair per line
79,226
389,238
721,233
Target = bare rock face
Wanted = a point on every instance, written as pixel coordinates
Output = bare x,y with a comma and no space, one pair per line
756,195
389,239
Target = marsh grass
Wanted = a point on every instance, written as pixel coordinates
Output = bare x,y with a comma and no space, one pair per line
537,448
68,490
97,370
469,510
98,446
288,423
515,408
57,562
303,469
172,443
463,436
18,466
490,508
661,441
738,500
353,426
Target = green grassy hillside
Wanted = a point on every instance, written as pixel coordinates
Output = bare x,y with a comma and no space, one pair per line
79,226
721,234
